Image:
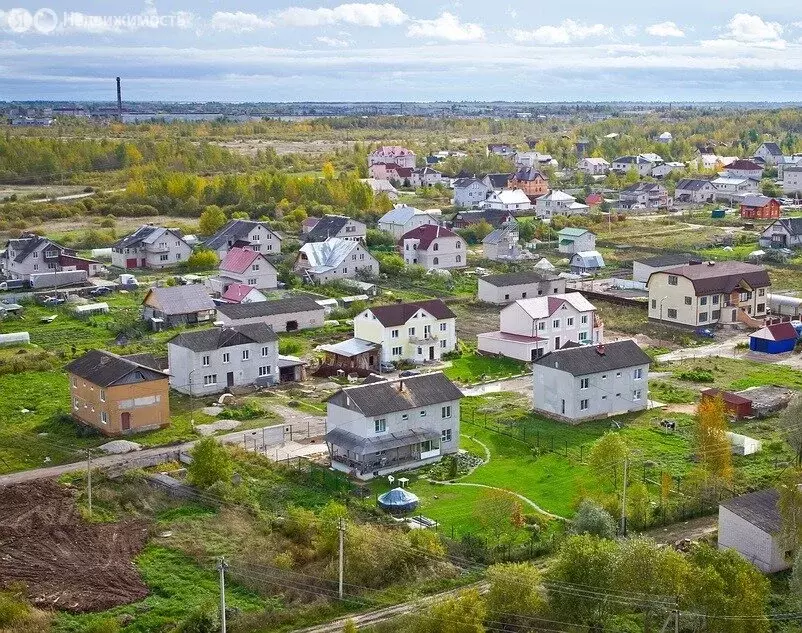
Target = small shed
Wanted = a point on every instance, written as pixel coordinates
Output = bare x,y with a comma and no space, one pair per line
15,338
743,444
328,305
718,213
352,356
398,501
91,308
586,262
773,339
738,406
751,525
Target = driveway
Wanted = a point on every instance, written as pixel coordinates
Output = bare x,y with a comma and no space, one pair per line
725,349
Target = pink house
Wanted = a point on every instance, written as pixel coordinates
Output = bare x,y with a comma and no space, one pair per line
395,154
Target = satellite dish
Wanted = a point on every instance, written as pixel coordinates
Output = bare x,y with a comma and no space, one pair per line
390,478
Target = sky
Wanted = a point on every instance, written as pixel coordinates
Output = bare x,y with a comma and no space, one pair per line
402,50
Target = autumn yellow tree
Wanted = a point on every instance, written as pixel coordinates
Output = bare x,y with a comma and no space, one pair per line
712,445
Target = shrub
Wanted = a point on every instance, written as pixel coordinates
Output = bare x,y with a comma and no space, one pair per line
105,625
203,259
290,347
591,518
13,610
696,374
211,463
246,411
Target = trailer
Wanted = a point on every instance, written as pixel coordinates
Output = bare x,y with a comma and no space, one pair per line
58,279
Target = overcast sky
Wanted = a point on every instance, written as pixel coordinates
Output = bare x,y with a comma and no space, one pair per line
414,50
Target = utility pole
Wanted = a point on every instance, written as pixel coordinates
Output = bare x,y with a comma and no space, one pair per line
341,530
624,500
222,566
89,480
676,620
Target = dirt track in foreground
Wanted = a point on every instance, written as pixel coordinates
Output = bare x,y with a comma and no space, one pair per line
65,562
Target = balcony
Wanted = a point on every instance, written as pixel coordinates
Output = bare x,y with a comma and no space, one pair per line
425,339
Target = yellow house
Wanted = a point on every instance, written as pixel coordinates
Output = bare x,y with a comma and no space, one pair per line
118,395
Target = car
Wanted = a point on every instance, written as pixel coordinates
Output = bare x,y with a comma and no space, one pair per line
705,332
387,367
100,291
53,301
409,372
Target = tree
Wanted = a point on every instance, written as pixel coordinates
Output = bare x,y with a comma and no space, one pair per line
514,594
390,264
211,220
791,428
796,578
790,506
377,237
639,509
203,259
328,171
526,230
461,614
710,434
607,455
211,463
591,518
494,510
350,627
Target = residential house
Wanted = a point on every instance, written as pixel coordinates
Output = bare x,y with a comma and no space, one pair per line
382,187
204,362
743,168
593,166
534,160
282,315
434,247
336,226
644,195
788,162
792,181
770,153
500,149
665,138
151,247
174,306
392,172
643,268
506,288
623,164
591,381
575,240
246,267
531,181
586,262
782,233
751,524
258,236
694,190
495,182
419,331
403,219
30,254
531,327
709,293
502,244
319,262
392,154
241,293
758,207
662,170
559,203
387,426
730,189
427,177
470,192
494,217
508,200
118,395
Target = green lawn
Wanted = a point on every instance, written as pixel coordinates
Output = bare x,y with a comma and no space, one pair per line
737,374
473,368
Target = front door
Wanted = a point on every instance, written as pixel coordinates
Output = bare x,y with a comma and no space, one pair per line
557,342
125,421
431,352
230,379
130,263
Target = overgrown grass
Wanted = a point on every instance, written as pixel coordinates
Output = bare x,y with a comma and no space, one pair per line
737,374
670,393
472,368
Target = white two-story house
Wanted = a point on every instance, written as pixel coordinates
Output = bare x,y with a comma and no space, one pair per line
469,192
248,267
532,327
151,247
433,247
420,331
591,381
593,166
258,236
30,255
333,259
389,425
209,361
336,226
403,219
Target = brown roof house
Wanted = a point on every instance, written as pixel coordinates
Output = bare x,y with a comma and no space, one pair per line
174,306
118,395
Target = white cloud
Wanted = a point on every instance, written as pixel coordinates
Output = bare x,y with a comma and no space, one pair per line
665,29
565,33
238,21
334,42
629,30
744,27
446,27
359,14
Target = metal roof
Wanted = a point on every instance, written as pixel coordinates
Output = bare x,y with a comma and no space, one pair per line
235,230
351,347
328,226
328,254
239,259
519,278
759,508
105,369
594,359
400,313
179,299
367,445
289,305
219,337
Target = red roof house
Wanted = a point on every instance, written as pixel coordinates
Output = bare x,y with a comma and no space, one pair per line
757,207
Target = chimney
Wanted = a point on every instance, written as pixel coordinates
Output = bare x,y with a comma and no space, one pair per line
119,101
600,349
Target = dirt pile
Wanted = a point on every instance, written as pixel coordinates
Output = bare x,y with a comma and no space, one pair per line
66,562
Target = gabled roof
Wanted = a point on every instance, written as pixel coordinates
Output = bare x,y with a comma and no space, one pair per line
631,160
773,148
528,174
543,307
105,369
403,394
328,254
237,292
400,215
719,277
495,217
497,236
756,200
239,259
692,184
743,164
399,313
498,181
427,233
463,183
179,299
587,259
792,225
776,332
668,259
594,161
642,187
145,234
327,226
235,230
572,232
28,243
509,196
593,359
390,151
760,508
290,305
518,279
403,172
220,337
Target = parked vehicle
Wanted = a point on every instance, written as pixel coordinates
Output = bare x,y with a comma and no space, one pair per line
14,284
53,300
387,367
100,291
409,372
704,332
58,278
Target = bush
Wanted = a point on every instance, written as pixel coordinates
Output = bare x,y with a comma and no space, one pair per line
13,609
290,347
105,625
697,374
246,411
211,464
203,259
591,518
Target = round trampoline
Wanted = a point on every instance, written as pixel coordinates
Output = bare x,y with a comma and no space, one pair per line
398,501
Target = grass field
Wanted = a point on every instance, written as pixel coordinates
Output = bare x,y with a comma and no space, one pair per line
737,374
472,368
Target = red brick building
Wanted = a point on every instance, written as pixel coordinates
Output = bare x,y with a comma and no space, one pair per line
757,207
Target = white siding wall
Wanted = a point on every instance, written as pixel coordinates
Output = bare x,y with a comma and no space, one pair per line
305,320
508,294
761,549
440,341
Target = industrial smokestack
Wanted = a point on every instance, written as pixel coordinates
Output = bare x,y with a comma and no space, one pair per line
119,101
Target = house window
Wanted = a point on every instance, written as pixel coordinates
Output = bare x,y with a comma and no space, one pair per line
672,280
164,257
459,258
420,351
246,354
459,245
380,425
205,361
654,303
345,271
638,374
688,301
583,336
541,325
76,403
555,323
412,331
74,382
506,297
423,413
445,435
255,267
36,255
584,319
446,411
746,296
265,370
405,416
252,282
397,351
671,313
36,267
761,307
394,334
702,316
584,383
103,395
583,405
703,301
265,351
636,394
715,315
443,327
570,321
436,247
761,292
211,379
443,343
715,300
226,358
104,417
436,261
